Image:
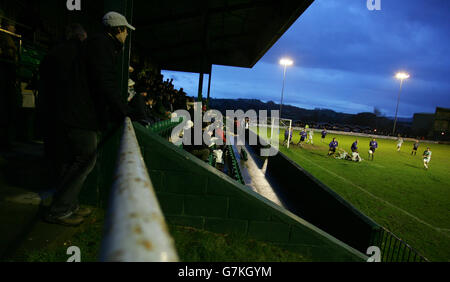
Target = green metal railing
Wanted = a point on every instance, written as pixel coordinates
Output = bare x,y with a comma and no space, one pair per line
211,160
164,128
394,249
234,166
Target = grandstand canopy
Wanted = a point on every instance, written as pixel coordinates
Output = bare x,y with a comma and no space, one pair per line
184,35
181,35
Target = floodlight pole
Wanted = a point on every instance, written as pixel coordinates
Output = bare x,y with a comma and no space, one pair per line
396,110
282,89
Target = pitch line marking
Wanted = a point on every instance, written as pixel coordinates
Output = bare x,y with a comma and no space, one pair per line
440,230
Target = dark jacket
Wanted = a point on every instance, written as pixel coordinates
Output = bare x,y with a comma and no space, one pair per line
138,106
64,97
103,52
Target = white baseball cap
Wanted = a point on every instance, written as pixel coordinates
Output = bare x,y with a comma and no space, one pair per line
115,19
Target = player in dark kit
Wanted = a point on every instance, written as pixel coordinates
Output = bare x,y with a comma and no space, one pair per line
287,136
303,135
355,146
373,145
333,146
324,134
415,147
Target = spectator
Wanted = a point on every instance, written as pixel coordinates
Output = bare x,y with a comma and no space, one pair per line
200,151
8,92
131,91
60,85
102,55
138,107
93,107
68,121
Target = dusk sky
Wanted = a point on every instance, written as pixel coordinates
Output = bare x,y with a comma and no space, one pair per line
345,59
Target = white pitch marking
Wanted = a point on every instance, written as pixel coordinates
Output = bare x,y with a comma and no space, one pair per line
380,199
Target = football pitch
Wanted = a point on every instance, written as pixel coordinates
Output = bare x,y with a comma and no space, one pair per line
394,189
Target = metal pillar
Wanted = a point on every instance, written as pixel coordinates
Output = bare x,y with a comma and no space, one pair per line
209,86
396,110
282,89
204,59
200,87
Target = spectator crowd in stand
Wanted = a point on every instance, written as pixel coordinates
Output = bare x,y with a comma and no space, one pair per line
152,98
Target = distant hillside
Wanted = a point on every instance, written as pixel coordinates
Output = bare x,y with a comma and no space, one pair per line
366,119
288,111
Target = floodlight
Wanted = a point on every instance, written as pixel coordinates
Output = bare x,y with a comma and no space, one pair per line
402,75
286,62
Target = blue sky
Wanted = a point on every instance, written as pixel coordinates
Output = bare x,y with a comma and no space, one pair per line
345,58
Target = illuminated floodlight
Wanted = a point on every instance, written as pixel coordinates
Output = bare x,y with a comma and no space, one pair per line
402,75
286,62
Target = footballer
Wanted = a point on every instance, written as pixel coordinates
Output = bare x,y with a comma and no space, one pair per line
324,134
355,146
415,147
310,137
333,146
426,157
399,143
372,146
303,135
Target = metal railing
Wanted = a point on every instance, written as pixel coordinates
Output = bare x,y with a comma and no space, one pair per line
234,166
135,228
164,127
394,249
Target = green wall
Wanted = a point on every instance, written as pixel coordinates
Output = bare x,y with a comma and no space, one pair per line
192,193
310,199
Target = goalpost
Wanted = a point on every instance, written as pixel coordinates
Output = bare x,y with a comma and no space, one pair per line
284,123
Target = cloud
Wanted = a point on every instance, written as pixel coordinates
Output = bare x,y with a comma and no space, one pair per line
345,58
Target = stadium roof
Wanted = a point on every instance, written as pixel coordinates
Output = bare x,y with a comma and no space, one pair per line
180,35
183,35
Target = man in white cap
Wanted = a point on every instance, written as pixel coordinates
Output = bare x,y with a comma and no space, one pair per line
103,51
102,103
115,21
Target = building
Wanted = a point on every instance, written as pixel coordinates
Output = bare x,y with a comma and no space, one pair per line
432,126
441,124
422,122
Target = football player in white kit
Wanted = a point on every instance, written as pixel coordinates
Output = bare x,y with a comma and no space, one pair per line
310,137
426,158
399,143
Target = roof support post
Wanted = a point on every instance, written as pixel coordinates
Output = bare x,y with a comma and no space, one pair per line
204,58
209,86
200,87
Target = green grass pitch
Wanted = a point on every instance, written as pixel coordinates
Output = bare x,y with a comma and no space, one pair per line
394,190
